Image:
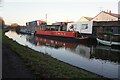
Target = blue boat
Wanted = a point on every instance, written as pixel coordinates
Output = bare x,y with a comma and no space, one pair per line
27,31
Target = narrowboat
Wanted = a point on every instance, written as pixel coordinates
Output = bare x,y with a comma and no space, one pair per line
27,31
71,34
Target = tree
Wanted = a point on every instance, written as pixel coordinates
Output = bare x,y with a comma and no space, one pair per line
2,23
14,24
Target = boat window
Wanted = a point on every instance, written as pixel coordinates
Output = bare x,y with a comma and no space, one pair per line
84,26
72,26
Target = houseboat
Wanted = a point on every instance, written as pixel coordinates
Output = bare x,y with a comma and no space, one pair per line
27,31
32,26
73,32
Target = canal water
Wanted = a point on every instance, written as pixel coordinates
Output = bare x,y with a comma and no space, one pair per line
102,60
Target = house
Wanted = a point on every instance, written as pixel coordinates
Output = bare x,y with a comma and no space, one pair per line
106,16
102,16
106,20
85,19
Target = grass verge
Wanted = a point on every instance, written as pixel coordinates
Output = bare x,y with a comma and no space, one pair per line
0,35
44,66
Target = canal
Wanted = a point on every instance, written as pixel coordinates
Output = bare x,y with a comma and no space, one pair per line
99,59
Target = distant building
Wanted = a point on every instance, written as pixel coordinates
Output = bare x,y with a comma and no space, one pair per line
85,19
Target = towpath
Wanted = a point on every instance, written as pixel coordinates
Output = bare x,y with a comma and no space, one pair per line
13,66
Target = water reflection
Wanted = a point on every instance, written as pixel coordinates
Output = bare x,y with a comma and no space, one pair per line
98,52
98,59
53,43
81,50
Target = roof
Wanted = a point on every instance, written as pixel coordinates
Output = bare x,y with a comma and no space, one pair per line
88,18
112,14
38,20
109,13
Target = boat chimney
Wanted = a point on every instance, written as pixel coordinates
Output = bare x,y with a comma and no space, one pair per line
110,11
46,17
107,10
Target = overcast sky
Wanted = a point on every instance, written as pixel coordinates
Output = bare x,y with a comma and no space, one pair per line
22,11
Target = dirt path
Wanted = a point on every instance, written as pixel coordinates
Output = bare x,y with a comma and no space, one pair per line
13,66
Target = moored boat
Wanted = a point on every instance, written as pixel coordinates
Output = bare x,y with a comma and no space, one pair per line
109,39
72,33
27,31
68,36
108,43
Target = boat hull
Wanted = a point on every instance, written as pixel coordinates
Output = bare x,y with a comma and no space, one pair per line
70,37
58,33
27,31
108,43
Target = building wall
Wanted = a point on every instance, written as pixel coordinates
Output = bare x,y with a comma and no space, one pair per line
114,30
104,17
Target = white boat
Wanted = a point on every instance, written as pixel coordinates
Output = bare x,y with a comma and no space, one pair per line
108,43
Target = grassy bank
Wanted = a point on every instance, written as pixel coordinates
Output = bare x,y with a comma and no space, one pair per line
0,35
44,66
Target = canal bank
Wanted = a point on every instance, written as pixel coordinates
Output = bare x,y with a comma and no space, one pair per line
13,66
44,66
